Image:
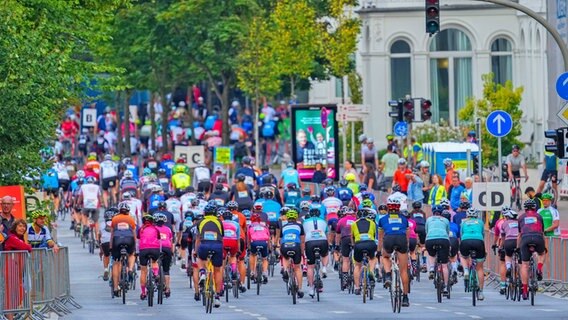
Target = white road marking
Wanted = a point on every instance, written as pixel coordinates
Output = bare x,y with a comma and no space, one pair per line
548,310
475,317
460,313
431,308
238,310
340,312
232,307
254,314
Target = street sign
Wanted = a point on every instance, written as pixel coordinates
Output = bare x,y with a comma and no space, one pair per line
89,117
353,108
562,86
563,114
349,117
490,196
400,128
499,123
223,155
193,154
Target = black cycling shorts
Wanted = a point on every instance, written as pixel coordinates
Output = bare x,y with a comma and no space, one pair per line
368,245
345,247
509,246
395,240
109,183
310,253
263,250
105,247
443,249
545,173
118,243
93,213
421,232
531,240
184,241
454,246
471,244
167,260
53,191
412,242
204,186
146,254
292,247
64,184
332,223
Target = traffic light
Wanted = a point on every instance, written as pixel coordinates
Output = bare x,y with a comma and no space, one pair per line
425,106
408,110
475,160
397,113
559,147
504,173
432,16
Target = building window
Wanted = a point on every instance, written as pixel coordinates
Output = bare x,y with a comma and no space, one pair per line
401,73
502,60
450,74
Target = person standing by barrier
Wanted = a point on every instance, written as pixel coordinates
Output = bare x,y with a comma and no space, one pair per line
38,233
7,219
13,281
550,216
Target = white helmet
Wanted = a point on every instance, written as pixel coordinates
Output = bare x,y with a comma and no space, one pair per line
128,174
393,200
445,202
472,213
80,174
424,164
401,161
511,214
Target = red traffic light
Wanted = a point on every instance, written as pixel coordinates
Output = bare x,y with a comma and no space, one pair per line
432,12
432,2
426,104
425,110
409,104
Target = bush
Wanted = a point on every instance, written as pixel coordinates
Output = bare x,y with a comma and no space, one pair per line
437,132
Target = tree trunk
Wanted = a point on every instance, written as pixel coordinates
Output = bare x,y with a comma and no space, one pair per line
255,108
165,112
119,142
292,87
225,112
127,122
190,112
153,124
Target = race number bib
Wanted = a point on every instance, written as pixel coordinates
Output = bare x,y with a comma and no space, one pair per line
122,226
210,235
290,237
249,180
364,237
317,234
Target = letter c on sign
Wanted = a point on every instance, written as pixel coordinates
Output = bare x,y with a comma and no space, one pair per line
196,158
482,201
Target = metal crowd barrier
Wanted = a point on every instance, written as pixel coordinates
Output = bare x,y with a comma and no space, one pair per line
36,284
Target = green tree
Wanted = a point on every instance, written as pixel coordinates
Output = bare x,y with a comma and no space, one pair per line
46,55
495,97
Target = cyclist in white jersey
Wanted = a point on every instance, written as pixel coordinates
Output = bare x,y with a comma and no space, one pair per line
109,177
202,179
135,207
90,199
64,181
174,206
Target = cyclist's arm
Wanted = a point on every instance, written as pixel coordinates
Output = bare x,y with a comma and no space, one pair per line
524,165
509,169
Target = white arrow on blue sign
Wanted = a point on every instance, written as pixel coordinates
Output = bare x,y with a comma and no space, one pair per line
562,86
499,123
400,128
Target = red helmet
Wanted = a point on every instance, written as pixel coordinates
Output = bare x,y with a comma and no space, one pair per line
180,160
255,217
167,156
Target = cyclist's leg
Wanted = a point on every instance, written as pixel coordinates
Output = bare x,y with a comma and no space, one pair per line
242,268
298,267
542,181
358,258
311,257
116,266
403,266
166,264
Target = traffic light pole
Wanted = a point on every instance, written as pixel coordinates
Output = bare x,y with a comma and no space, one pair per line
480,153
553,32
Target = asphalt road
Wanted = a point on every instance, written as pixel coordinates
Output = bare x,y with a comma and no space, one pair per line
93,294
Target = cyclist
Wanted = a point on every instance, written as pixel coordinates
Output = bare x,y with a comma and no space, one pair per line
316,203
167,164
315,229
461,213
203,177
258,236
63,179
531,233
393,234
291,195
184,237
343,242
90,200
135,207
454,246
50,185
171,219
438,243
210,239
156,197
151,162
194,234
400,195
104,242
412,240
220,195
166,238
290,175
149,246
131,167
332,205
272,210
173,204
363,238
122,235
419,217
343,193
241,192
180,179
509,233
550,216
109,176
449,168
531,194
304,209
164,181
247,171
352,182
129,184
515,162
471,231
267,183
292,241
550,164
231,239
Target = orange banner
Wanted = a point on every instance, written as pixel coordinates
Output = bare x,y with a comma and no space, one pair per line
17,194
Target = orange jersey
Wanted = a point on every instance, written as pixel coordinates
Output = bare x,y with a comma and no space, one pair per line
242,223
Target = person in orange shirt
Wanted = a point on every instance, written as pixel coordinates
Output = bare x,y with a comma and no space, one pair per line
122,234
449,165
402,176
233,206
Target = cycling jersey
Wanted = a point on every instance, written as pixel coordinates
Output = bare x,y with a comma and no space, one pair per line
165,236
531,224
149,237
291,198
249,174
393,224
50,180
315,229
437,227
272,209
186,225
412,229
211,229
344,194
152,164
90,194
154,200
62,173
231,230
291,232
419,217
454,230
515,162
290,175
135,210
323,211
123,225
258,232
104,231
458,217
549,215
364,229
243,198
181,181
354,187
167,165
471,229
128,184
134,169
344,226
108,170
332,205
202,174
510,229
39,237
174,206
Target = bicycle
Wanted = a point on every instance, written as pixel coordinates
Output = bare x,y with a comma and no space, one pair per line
291,285
514,286
439,276
350,279
416,269
472,283
227,281
367,287
208,294
91,240
123,283
533,281
516,196
155,283
396,292
318,283
272,263
248,271
258,271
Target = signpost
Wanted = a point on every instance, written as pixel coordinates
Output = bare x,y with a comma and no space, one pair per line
89,117
400,128
563,114
562,86
490,196
193,155
351,113
499,123
223,155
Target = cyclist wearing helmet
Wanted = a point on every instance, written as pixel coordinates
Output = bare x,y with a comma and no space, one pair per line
445,204
104,242
419,218
449,167
90,201
92,163
109,177
291,195
184,239
455,192
292,239
550,164
454,246
173,205
155,198
258,236
129,184
315,229
401,176
400,195
180,179
412,240
193,270
266,183
382,210
515,162
509,232
165,182
438,243
531,194
531,233
202,175
210,239
231,237
241,192
220,195
343,193
149,246
266,177
304,209
332,206
316,203
393,233
343,243
550,216
171,220
471,231
180,166
38,234
122,235
272,210
247,171
166,238
369,154
167,164
289,175
460,213
363,236
352,184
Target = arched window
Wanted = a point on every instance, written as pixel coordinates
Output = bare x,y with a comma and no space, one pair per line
502,60
450,73
401,69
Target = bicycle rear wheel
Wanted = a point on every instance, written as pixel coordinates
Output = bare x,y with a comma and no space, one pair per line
150,288
364,284
398,291
473,286
438,282
161,284
123,281
293,286
210,294
258,274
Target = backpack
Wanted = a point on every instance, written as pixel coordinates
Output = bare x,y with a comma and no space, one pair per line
240,150
268,129
209,122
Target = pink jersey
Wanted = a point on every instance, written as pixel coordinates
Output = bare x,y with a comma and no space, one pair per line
497,228
412,229
258,232
165,236
510,229
344,226
231,229
149,237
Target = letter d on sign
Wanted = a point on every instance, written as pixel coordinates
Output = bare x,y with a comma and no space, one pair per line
497,199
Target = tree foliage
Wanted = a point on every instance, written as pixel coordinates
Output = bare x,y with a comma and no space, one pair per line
46,54
340,40
495,97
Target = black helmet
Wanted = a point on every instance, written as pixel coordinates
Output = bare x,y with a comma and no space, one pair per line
315,198
465,205
210,210
268,194
109,215
160,218
447,214
219,186
241,177
396,188
194,202
188,214
227,215
162,205
284,210
330,191
417,205
265,168
383,207
314,212
147,218
530,204
328,182
247,160
363,187
200,196
343,183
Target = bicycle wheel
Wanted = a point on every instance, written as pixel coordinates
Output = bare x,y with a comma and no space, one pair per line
271,264
258,274
392,293
210,294
150,287
317,284
438,281
371,289
123,281
417,269
364,283
248,274
161,283
473,286
227,281
398,291
293,285
533,284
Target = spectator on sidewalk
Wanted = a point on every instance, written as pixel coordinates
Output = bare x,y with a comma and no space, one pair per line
369,154
388,165
7,218
349,167
369,177
455,192
319,173
426,178
437,191
17,237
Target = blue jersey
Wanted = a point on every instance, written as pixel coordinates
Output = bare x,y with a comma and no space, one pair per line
249,174
134,169
50,180
154,200
272,209
167,165
344,194
261,177
458,217
322,209
290,175
291,233
291,198
74,185
393,224
455,230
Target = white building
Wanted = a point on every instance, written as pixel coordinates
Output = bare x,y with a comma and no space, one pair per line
396,57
